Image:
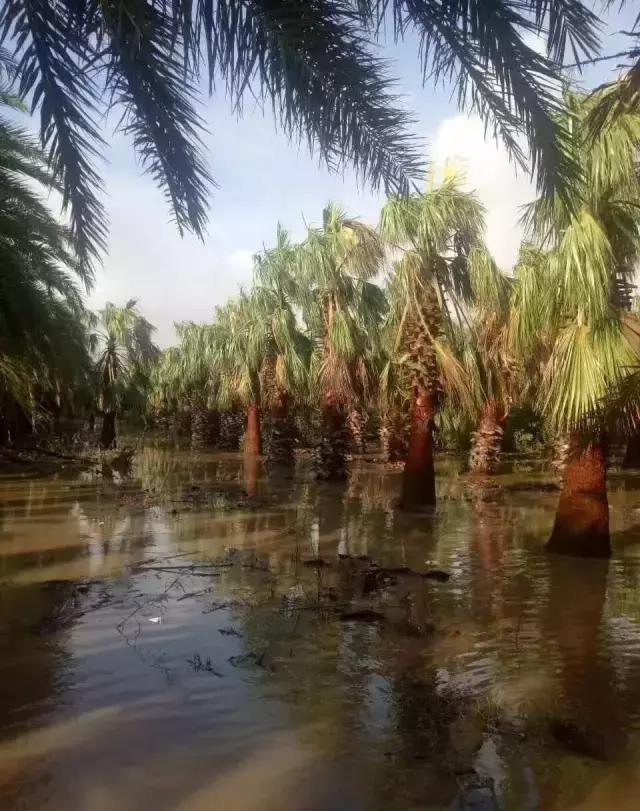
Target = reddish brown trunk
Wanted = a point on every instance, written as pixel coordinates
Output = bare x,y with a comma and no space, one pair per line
582,520
631,459
253,438
251,471
419,481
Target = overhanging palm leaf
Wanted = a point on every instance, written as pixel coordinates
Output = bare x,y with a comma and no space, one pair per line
42,336
309,59
312,59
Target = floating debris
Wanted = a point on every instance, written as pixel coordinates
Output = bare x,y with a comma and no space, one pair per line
198,665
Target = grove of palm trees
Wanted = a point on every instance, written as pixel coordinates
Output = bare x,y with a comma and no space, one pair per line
344,541
378,337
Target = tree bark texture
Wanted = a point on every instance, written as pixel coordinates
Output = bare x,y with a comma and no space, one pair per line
356,424
280,452
486,440
394,435
231,425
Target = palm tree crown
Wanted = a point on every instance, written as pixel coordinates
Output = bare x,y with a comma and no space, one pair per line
593,251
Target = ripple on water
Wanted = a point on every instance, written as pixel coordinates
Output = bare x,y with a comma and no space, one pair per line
119,689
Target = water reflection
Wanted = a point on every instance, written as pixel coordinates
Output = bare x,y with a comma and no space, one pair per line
164,641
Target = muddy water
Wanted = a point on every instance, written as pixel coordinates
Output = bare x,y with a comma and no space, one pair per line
170,642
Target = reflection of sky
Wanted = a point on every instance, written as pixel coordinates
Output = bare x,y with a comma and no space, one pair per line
264,179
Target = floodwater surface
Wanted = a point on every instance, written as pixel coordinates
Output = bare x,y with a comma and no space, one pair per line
201,636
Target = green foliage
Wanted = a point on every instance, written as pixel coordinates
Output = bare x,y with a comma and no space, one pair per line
124,352
277,291
43,342
439,237
593,247
341,307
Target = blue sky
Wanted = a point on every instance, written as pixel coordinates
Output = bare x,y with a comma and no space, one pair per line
264,179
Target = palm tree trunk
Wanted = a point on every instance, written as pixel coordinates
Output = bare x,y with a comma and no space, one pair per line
334,442
205,426
393,437
419,480
560,453
230,431
108,433
283,433
253,437
631,459
163,425
486,441
356,424
582,520
198,424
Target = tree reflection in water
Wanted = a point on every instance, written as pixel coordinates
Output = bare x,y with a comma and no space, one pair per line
521,668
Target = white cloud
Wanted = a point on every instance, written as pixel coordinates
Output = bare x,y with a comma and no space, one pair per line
174,279
179,279
461,141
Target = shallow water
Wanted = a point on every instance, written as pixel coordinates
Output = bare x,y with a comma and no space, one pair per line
165,644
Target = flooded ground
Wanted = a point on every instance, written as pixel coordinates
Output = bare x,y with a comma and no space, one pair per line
202,637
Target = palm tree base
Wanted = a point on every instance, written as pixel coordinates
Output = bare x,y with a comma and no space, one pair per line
486,442
356,424
280,452
230,431
164,425
334,445
419,479
205,425
581,527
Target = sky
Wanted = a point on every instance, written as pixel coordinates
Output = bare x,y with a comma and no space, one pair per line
263,178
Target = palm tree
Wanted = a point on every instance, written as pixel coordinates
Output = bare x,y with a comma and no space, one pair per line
342,309
42,336
492,364
434,232
314,63
121,342
240,345
165,396
185,377
199,377
595,247
394,390
284,373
